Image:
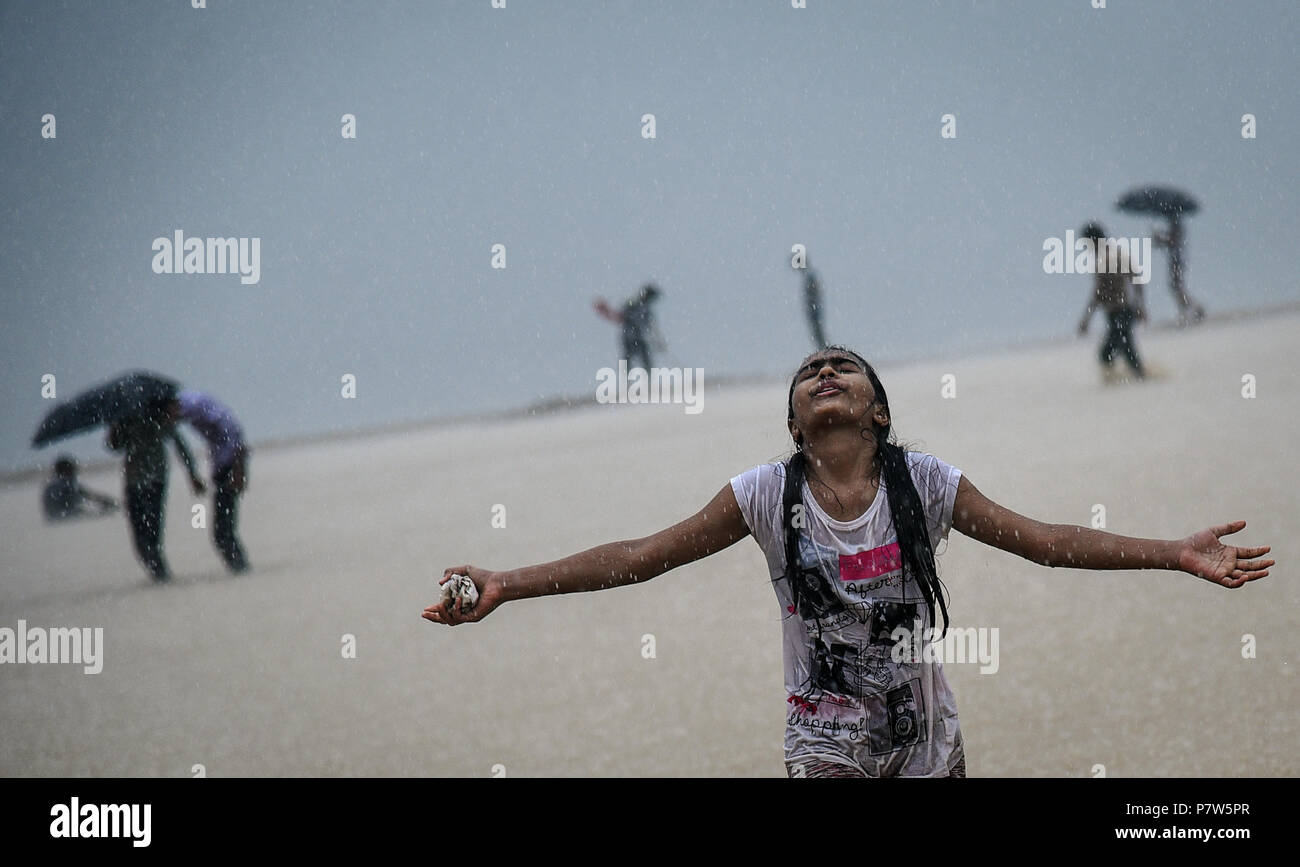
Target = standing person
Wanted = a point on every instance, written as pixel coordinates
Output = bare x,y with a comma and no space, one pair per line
142,439
639,331
1188,310
812,301
65,496
1115,292
228,455
859,517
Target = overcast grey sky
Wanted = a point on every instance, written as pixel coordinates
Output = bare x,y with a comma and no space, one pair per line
522,126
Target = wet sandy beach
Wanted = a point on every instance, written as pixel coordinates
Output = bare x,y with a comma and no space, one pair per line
1139,672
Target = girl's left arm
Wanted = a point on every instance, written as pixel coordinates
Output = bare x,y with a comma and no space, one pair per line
1200,554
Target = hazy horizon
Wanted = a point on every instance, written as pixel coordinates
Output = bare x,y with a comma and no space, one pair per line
522,126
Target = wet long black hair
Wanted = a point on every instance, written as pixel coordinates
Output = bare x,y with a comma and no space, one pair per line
907,513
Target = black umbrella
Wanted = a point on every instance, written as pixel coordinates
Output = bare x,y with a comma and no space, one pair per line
136,393
1164,201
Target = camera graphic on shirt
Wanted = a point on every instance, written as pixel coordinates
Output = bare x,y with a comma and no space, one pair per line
900,720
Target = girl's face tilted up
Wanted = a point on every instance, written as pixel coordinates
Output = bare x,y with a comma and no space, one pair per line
831,389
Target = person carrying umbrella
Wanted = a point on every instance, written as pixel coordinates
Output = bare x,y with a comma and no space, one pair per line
1115,292
142,439
133,405
1172,205
228,454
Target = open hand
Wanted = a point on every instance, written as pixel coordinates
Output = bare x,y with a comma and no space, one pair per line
1204,556
489,597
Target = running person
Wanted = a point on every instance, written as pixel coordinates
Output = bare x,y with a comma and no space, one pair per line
860,517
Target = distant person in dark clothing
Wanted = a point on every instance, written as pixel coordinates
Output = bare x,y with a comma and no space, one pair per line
1115,292
639,329
228,454
142,440
1188,310
66,498
812,300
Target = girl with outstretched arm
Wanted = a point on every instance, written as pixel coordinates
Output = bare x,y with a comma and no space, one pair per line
848,526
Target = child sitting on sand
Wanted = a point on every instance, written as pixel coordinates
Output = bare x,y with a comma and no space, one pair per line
65,497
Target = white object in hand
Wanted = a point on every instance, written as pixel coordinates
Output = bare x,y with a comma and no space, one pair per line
461,592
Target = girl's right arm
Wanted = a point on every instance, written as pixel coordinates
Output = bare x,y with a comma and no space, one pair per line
716,526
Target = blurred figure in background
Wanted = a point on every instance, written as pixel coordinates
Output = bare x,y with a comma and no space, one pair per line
640,332
1114,292
228,456
142,441
1173,205
1189,311
66,498
812,301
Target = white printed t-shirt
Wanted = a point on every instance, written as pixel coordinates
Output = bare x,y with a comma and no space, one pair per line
848,700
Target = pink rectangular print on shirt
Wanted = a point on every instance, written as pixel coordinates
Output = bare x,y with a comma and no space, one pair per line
870,564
